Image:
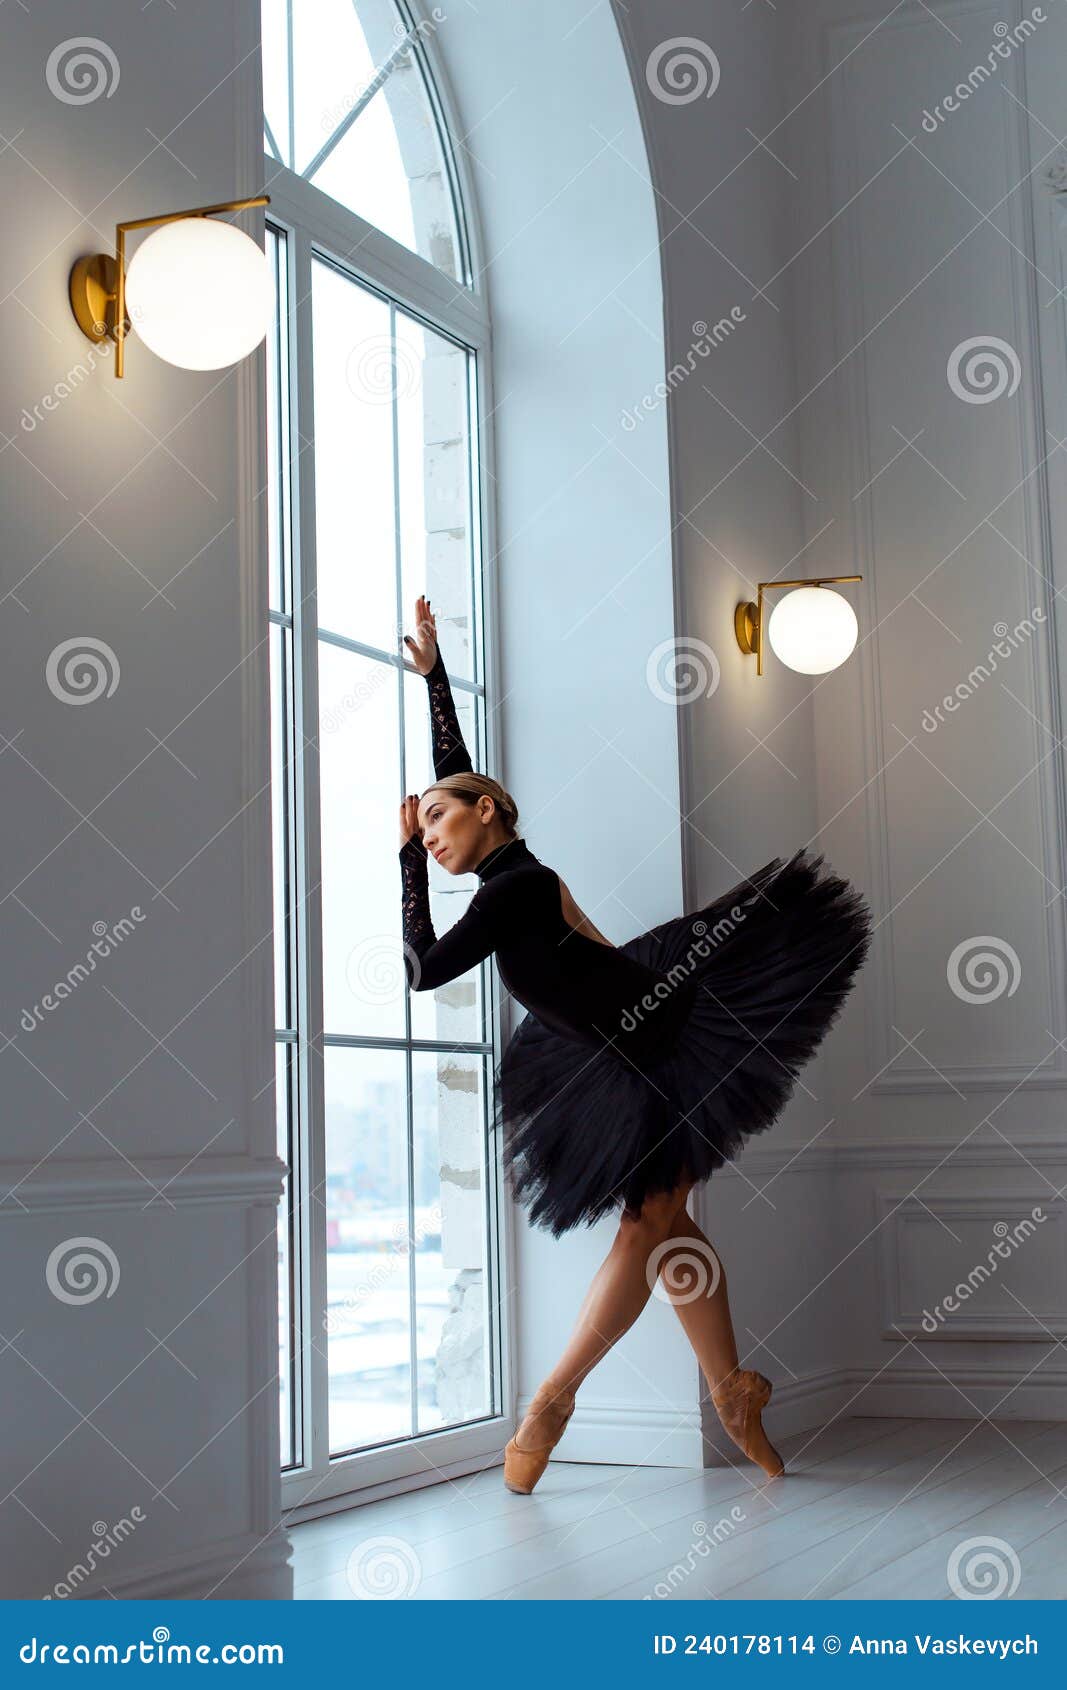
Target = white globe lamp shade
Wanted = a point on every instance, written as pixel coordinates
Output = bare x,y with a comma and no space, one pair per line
812,630
199,293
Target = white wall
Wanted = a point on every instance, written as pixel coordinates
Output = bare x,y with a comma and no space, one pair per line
139,1112
910,242
949,502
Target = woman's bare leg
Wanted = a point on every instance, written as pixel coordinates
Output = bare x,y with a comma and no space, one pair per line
620,1289
695,1282
689,1275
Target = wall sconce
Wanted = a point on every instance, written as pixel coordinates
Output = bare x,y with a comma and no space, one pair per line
201,291
810,630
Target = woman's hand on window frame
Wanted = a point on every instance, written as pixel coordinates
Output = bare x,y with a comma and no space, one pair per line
423,648
409,820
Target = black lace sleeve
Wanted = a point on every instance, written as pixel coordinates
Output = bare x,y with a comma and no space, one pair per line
428,960
450,755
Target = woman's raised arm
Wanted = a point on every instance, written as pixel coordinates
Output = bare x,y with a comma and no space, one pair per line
428,960
450,755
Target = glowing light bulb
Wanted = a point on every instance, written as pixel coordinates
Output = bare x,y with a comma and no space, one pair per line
199,293
812,630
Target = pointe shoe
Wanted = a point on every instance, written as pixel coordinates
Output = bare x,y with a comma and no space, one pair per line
738,1402
523,1467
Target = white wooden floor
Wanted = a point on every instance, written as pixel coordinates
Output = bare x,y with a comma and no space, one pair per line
867,1508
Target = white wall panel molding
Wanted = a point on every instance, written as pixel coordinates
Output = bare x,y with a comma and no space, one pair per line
972,1265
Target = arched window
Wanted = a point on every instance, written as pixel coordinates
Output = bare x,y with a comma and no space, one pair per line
377,491
350,107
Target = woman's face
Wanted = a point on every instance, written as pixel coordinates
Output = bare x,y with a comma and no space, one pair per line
454,832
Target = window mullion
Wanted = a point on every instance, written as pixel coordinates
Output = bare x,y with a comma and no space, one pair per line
310,1010
290,80
409,1112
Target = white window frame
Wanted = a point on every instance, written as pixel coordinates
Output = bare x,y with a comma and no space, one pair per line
311,221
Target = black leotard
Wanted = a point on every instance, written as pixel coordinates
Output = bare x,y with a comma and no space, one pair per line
582,988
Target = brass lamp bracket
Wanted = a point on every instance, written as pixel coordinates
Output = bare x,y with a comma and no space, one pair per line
92,296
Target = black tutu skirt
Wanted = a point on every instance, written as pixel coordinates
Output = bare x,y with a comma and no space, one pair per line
585,1131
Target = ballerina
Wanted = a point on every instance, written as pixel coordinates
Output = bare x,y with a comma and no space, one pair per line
639,1068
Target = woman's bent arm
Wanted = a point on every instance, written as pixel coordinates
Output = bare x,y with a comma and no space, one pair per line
429,961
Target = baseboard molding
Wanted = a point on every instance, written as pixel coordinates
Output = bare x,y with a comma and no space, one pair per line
917,1393
666,1437
246,1569
920,1392
635,1437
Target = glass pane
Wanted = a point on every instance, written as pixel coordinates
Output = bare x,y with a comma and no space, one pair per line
355,513
435,481
390,170
278,487
285,1260
332,66
385,159
359,761
452,1012
281,646
365,172
273,16
270,145
451,1292
338,46
368,1276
